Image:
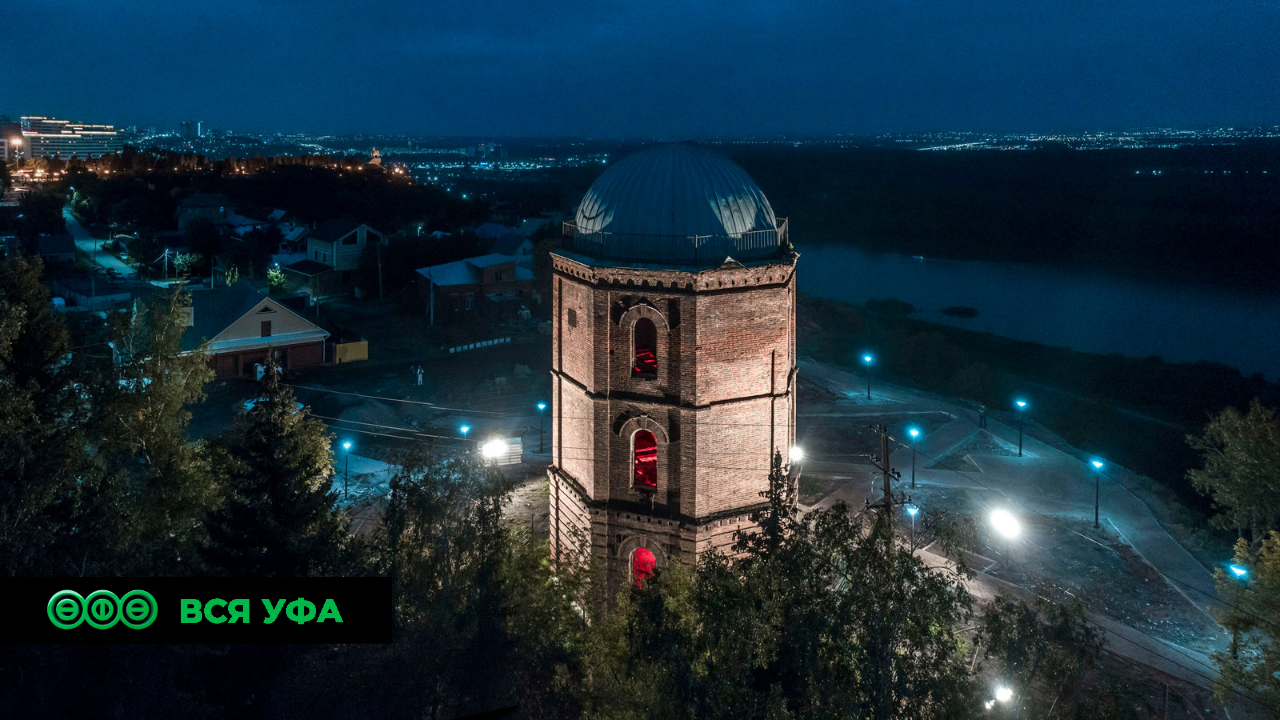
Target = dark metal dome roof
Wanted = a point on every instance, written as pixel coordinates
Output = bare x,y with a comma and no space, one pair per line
675,203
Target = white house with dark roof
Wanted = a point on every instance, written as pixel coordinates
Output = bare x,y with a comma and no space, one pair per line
242,324
340,243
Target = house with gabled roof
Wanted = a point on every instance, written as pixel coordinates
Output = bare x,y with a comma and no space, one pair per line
340,243
459,286
242,325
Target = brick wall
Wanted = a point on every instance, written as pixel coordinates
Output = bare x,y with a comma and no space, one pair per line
721,404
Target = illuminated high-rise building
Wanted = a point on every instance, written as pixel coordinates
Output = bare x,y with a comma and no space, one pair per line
50,137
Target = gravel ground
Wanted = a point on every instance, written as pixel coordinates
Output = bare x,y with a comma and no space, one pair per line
1066,558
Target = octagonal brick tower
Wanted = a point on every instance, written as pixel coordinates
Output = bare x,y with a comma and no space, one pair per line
674,359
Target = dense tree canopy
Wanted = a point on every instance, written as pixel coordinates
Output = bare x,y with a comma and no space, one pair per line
1241,470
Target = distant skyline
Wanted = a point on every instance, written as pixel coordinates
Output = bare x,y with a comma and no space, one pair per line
647,70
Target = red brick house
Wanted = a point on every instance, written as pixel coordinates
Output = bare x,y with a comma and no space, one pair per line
460,286
243,324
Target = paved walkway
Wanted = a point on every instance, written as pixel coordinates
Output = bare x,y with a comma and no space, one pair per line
87,243
1044,480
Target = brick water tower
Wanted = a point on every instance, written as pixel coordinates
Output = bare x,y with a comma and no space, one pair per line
674,359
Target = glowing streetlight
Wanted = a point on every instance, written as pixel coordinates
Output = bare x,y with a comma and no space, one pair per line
346,471
1241,573
464,430
494,449
795,454
541,406
1097,489
912,510
914,433
1005,523
1022,405
1004,694
866,360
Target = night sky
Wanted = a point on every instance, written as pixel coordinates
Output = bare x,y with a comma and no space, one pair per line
645,69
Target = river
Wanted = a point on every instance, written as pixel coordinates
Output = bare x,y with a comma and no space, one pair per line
1094,312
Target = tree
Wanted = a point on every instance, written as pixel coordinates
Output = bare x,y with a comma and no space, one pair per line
443,543
1252,614
51,520
279,518
143,421
1041,643
1241,468
825,616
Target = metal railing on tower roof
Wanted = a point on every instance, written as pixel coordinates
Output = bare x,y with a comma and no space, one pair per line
680,249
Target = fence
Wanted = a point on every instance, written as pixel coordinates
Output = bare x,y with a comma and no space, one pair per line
697,249
350,352
477,345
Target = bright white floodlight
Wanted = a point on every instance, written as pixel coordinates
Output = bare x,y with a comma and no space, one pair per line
1005,523
796,453
493,449
1004,694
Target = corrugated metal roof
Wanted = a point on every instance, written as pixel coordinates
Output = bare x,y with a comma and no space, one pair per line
674,190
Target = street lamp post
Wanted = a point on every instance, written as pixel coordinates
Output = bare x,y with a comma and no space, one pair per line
1022,404
1097,485
912,510
464,430
866,360
1241,574
346,472
541,406
914,433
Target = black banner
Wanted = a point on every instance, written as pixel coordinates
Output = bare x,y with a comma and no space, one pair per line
197,610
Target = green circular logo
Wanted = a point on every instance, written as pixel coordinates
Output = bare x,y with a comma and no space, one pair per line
138,609
102,609
67,609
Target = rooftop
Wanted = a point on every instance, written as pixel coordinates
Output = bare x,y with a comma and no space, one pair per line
677,203
467,272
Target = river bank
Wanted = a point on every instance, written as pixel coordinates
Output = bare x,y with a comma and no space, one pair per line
1090,311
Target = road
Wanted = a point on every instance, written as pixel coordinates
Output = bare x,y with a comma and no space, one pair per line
87,243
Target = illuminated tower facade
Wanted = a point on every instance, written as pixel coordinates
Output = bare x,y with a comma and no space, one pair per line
674,359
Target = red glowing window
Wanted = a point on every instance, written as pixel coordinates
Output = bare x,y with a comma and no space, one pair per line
646,337
644,450
642,565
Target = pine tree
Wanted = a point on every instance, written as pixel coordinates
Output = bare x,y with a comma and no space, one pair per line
279,518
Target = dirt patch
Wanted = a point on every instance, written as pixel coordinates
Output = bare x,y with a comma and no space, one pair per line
528,504
1067,558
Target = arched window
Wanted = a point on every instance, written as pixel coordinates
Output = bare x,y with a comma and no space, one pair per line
646,342
642,565
644,456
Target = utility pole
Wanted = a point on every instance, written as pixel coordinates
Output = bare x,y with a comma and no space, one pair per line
881,463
